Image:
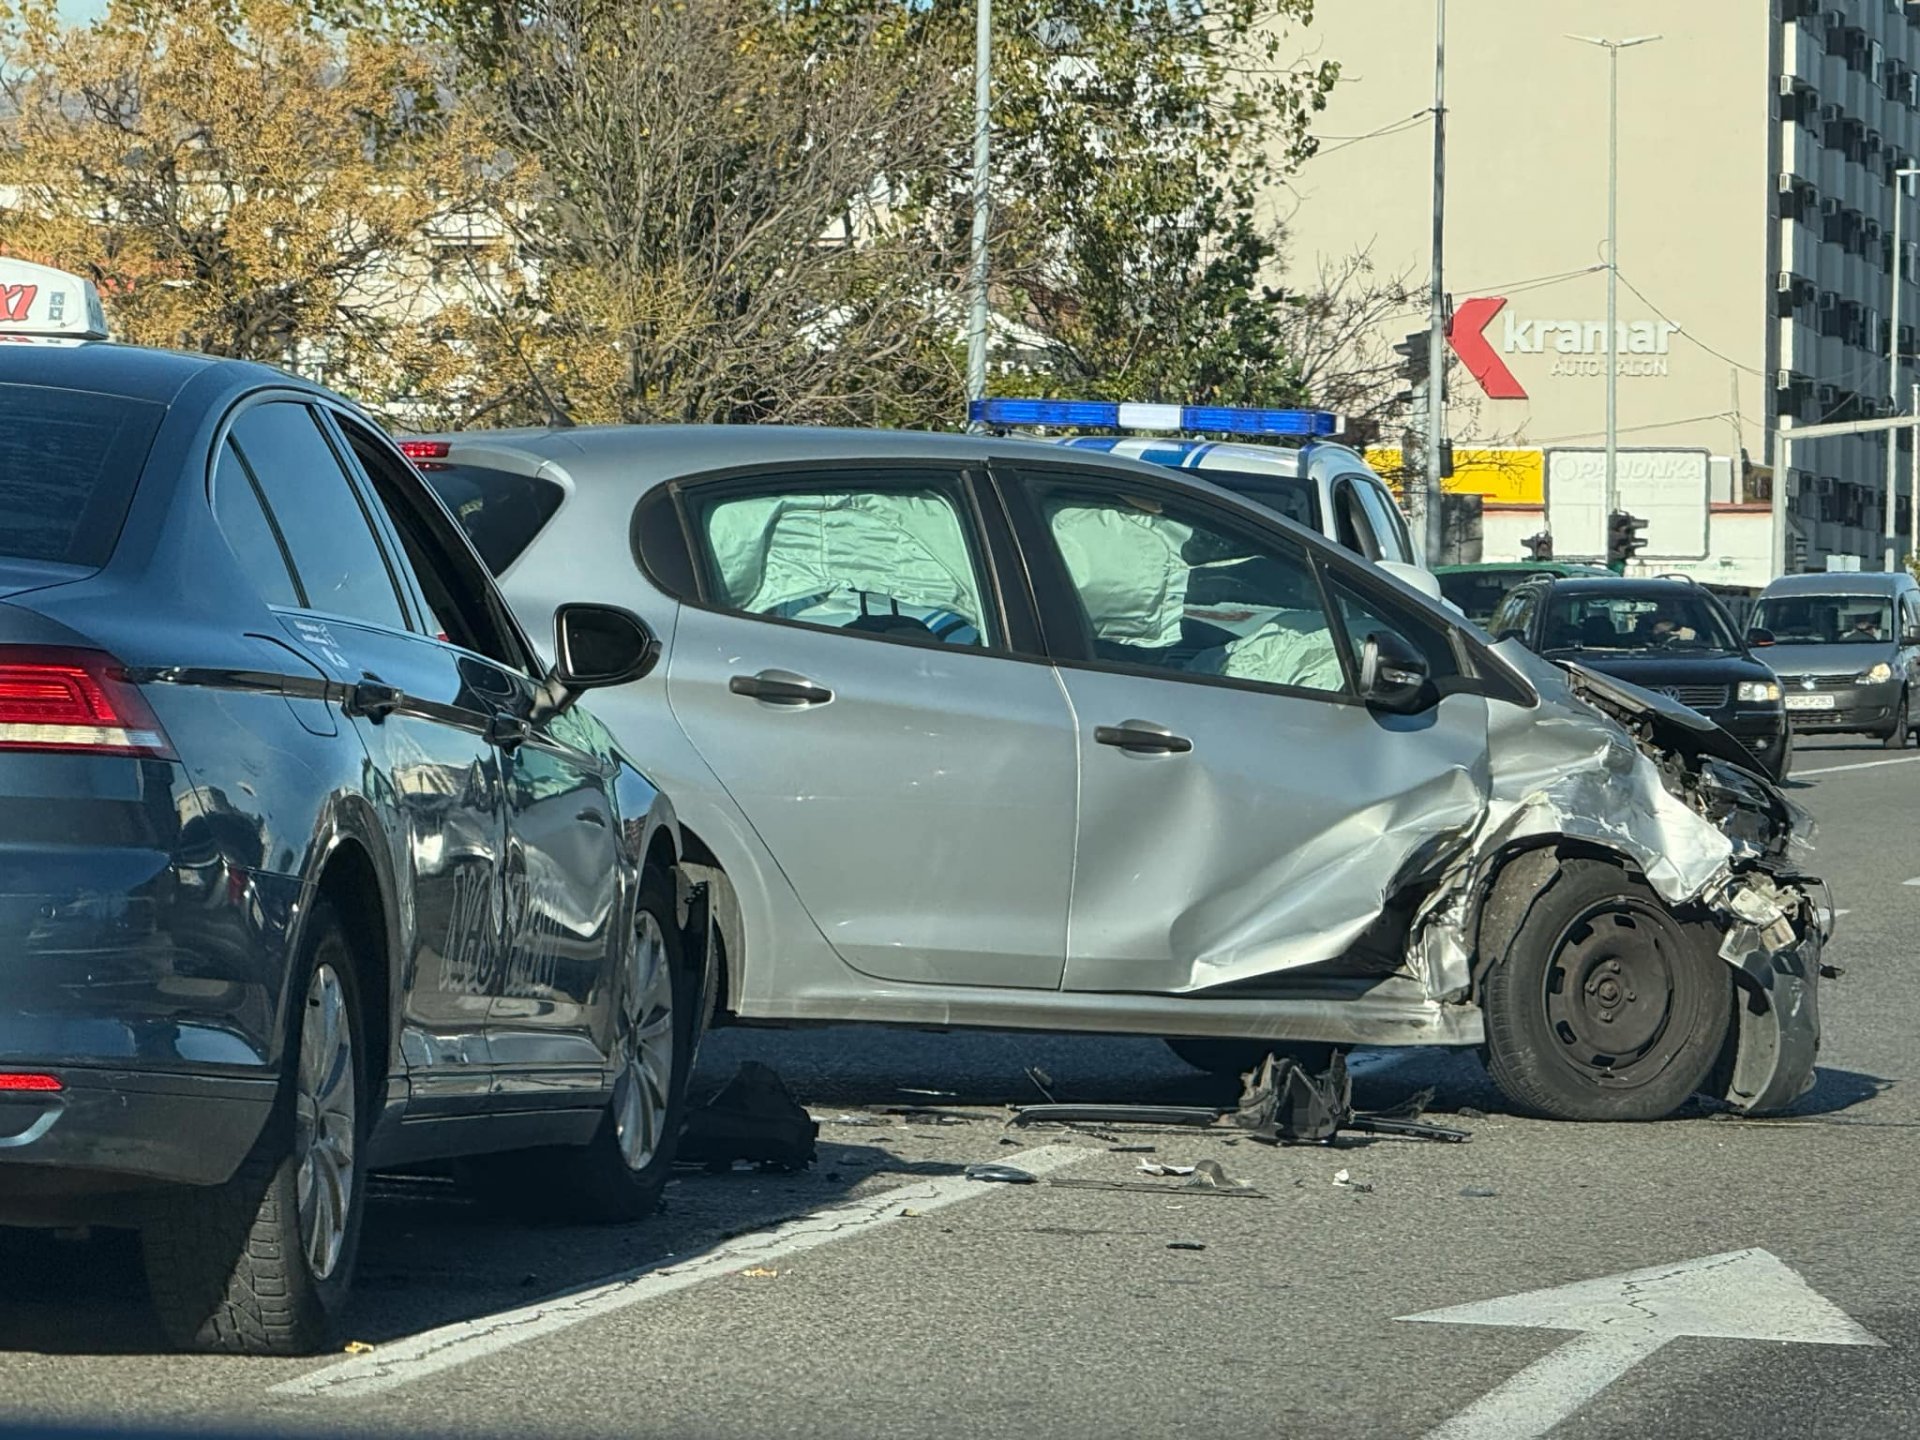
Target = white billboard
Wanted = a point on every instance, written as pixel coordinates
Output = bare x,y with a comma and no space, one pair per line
1666,488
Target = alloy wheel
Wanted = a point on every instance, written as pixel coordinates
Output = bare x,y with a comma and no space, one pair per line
645,1047
325,1121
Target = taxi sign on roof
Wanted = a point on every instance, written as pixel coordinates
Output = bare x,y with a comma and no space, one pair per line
39,304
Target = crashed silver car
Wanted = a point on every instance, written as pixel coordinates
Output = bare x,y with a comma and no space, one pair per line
985,732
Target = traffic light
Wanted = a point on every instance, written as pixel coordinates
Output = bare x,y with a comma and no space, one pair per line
1624,539
1416,356
1539,547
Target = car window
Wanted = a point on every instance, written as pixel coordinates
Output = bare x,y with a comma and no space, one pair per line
1384,520
451,582
1831,619
1352,527
1627,619
341,567
1291,496
250,532
1174,588
68,464
1515,613
500,511
1362,615
874,559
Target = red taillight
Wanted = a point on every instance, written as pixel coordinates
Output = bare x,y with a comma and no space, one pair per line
426,449
74,700
30,1082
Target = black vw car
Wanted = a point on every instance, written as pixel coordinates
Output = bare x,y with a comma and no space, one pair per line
1671,636
307,867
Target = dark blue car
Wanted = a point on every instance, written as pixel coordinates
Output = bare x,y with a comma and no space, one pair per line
307,866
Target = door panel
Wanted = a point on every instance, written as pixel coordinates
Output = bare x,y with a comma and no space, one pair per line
1240,814
916,787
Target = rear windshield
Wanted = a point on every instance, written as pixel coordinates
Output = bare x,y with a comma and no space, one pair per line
69,461
500,511
1294,498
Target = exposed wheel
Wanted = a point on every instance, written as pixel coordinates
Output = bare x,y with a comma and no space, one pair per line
1601,1005
1902,727
261,1265
1236,1057
619,1174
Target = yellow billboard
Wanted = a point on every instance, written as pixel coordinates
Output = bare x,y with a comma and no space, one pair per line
1504,475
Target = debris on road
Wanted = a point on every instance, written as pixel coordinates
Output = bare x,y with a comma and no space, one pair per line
1346,1182
1154,1167
928,1115
356,1347
759,1272
1211,1175
1186,1189
1186,1245
1001,1174
753,1118
1478,1192
845,1119
1160,1116
1042,1082
1131,1149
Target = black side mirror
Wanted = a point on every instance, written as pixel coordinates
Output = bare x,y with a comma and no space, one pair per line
1394,676
1759,636
597,646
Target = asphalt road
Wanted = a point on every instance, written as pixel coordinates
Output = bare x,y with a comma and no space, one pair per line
918,1303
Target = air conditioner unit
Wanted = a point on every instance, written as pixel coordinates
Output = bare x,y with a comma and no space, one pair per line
1827,394
1783,282
1786,84
1829,207
1829,300
1804,291
1783,379
1786,182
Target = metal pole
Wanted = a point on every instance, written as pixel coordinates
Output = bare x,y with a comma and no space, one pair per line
982,188
1913,491
1890,511
1782,469
1435,514
1610,494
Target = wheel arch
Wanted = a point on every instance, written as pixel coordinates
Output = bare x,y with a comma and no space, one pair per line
1528,866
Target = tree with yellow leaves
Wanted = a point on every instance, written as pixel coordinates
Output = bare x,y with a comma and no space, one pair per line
242,181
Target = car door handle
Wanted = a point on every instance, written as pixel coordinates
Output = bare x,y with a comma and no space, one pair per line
374,699
777,687
1143,737
509,732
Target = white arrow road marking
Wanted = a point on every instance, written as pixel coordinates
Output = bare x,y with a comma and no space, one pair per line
1742,1295
431,1351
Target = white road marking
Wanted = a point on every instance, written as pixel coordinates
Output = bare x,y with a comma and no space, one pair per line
1797,773
1914,881
1742,1295
432,1351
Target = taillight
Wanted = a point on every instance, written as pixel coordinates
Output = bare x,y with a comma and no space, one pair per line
57,699
37,1083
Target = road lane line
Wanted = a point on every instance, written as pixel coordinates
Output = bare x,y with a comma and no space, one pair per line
418,1356
1796,773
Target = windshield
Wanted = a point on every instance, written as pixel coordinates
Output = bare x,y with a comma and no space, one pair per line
1478,593
1826,619
1625,621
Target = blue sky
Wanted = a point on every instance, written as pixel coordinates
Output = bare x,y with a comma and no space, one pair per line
82,9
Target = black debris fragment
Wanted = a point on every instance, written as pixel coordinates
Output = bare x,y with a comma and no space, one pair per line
754,1118
1001,1174
1283,1105
1197,1117
1186,1245
1478,1192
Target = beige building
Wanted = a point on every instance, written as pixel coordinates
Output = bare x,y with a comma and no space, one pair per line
1758,145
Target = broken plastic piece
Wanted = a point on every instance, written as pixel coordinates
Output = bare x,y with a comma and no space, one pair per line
1115,1115
1478,1192
1283,1105
1154,1167
1346,1182
1210,1175
1003,1174
1186,1245
753,1118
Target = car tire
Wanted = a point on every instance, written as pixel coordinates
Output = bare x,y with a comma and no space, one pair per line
261,1265
1902,727
1600,1004
1236,1057
618,1176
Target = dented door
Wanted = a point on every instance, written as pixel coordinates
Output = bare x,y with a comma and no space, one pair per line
1242,814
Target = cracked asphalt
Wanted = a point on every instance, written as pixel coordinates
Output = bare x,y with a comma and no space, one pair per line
975,1309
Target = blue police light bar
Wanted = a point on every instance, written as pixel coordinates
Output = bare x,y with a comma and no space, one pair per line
1119,415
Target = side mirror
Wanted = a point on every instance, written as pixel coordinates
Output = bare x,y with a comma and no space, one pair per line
1910,637
1394,676
1418,576
1759,636
597,646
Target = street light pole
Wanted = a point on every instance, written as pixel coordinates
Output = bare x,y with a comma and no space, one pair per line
1891,510
982,189
1434,514
1613,48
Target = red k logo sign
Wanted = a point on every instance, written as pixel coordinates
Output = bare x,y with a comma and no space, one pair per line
1468,337
16,301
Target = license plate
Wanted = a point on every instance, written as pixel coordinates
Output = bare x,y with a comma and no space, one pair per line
1809,702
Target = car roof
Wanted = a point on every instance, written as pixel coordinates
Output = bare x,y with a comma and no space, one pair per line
1197,454
1545,568
1600,584
136,372
1840,582
596,455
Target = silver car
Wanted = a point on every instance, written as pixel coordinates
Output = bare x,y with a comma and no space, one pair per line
988,732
